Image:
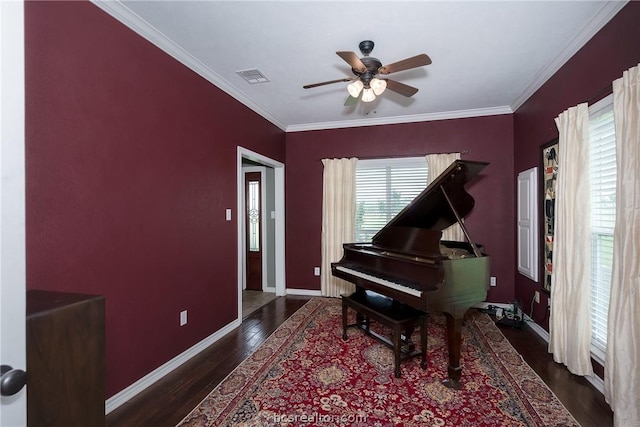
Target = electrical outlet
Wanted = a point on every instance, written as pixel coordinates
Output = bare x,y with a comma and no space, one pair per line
316,271
536,297
183,317
493,281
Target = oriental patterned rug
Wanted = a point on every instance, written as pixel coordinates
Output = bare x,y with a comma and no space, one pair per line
306,375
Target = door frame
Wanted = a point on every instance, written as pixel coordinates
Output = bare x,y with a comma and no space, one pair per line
263,225
13,410
278,167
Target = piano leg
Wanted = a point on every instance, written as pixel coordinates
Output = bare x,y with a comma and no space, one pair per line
409,344
397,342
454,337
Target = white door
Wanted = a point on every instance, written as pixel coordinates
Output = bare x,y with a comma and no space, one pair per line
12,205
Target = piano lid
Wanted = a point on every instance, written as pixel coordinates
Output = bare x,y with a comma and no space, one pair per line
430,210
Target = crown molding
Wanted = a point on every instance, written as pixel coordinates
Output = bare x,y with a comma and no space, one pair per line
608,10
120,12
123,14
458,114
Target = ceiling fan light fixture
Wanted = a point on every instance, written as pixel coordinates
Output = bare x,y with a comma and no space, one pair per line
355,88
365,85
378,86
368,95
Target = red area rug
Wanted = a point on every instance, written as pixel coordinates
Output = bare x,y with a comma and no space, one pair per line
305,375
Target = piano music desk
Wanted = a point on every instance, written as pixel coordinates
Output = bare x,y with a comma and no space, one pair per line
398,317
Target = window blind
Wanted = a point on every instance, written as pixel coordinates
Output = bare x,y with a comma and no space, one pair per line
603,216
383,188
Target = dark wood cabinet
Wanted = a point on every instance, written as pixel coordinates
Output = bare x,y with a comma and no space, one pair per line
65,359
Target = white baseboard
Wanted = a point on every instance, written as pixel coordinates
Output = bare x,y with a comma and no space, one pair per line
128,393
305,292
537,329
595,380
486,304
134,389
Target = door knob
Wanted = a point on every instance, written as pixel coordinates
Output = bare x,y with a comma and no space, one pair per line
11,380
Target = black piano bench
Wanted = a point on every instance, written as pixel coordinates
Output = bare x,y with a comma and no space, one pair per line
400,318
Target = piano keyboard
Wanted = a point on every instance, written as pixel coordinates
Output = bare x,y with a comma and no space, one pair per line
381,281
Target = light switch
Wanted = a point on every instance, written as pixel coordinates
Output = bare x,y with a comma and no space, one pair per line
228,214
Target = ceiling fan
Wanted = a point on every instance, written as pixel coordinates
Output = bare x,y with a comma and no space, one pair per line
367,83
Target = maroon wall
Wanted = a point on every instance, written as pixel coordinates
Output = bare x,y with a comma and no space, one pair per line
131,163
603,59
130,155
485,138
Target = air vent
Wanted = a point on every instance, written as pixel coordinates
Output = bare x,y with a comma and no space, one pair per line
252,76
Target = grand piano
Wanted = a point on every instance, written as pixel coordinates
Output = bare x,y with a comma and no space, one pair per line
408,262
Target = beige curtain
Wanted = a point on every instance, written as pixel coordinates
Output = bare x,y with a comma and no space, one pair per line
338,220
436,164
570,322
622,378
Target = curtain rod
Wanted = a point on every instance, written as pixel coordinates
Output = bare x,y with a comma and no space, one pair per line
400,156
605,91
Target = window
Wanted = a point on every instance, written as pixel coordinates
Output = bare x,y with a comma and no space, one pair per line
383,188
253,215
603,217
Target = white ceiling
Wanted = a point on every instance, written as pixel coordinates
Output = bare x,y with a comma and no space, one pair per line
488,56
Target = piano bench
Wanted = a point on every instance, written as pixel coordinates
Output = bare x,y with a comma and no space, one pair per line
400,318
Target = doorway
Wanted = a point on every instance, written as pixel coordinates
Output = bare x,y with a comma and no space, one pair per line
260,231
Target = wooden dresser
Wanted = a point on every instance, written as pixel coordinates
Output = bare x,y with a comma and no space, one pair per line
65,359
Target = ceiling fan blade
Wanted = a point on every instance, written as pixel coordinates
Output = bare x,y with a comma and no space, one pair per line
351,101
352,59
401,88
405,64
326,83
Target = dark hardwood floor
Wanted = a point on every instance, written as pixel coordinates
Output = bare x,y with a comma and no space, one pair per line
169,400
585,402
